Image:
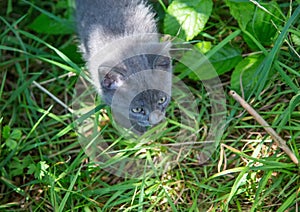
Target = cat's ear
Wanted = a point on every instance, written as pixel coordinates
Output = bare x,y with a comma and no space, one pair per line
112,79
162,62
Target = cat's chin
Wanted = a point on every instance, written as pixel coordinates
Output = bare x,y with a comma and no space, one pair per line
144,124
140,127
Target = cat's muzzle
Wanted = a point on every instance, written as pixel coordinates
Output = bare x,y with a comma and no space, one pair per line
155,117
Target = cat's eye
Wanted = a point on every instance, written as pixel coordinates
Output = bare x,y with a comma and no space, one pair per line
162,100
137,110
163,62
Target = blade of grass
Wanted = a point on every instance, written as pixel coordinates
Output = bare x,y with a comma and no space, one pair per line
286,115
75,67
37,123
265,67
292,71
237,183
50,15
2,84
290,200
19,90
62,205
52,96
142,191
12,28
162,5
261,186
287,79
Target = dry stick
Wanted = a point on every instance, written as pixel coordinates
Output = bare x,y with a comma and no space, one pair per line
52,96
278,140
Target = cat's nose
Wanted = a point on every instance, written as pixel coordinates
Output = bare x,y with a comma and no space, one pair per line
155,117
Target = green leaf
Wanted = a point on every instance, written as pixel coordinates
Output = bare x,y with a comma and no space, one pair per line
187,18
11,137
262,24
10,143
259,20
38,170
31,169
6,132
16,134
45,24
244,73
18,165
43,169
71,51
226,59
295,39
242,11
203,46
196,66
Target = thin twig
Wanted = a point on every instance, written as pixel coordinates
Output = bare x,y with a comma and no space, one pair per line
70,74
278,140
52,96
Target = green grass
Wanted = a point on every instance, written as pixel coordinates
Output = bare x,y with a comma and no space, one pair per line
43,166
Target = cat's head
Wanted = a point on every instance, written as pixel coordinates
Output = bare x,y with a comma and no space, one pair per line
141,80
148,108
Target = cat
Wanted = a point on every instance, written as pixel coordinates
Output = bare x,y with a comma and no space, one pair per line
130,68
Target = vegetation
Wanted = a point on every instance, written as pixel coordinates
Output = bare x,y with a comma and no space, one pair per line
254,47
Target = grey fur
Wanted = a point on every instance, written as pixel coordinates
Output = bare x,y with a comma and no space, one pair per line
118,40
101,21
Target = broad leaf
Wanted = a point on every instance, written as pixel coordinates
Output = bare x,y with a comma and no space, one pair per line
195,66
6,132
18,165
187,18
11,138
46,25
71,51
295,39
242,11
10,143
203,46
226,59
244,73
16,134
38,170
259,20
264,25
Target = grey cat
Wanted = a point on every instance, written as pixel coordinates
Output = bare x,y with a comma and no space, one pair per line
128,65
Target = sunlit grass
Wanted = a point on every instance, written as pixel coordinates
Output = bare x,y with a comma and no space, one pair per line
48,169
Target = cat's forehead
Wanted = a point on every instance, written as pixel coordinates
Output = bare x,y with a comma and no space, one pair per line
142,61
138,61
149,95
